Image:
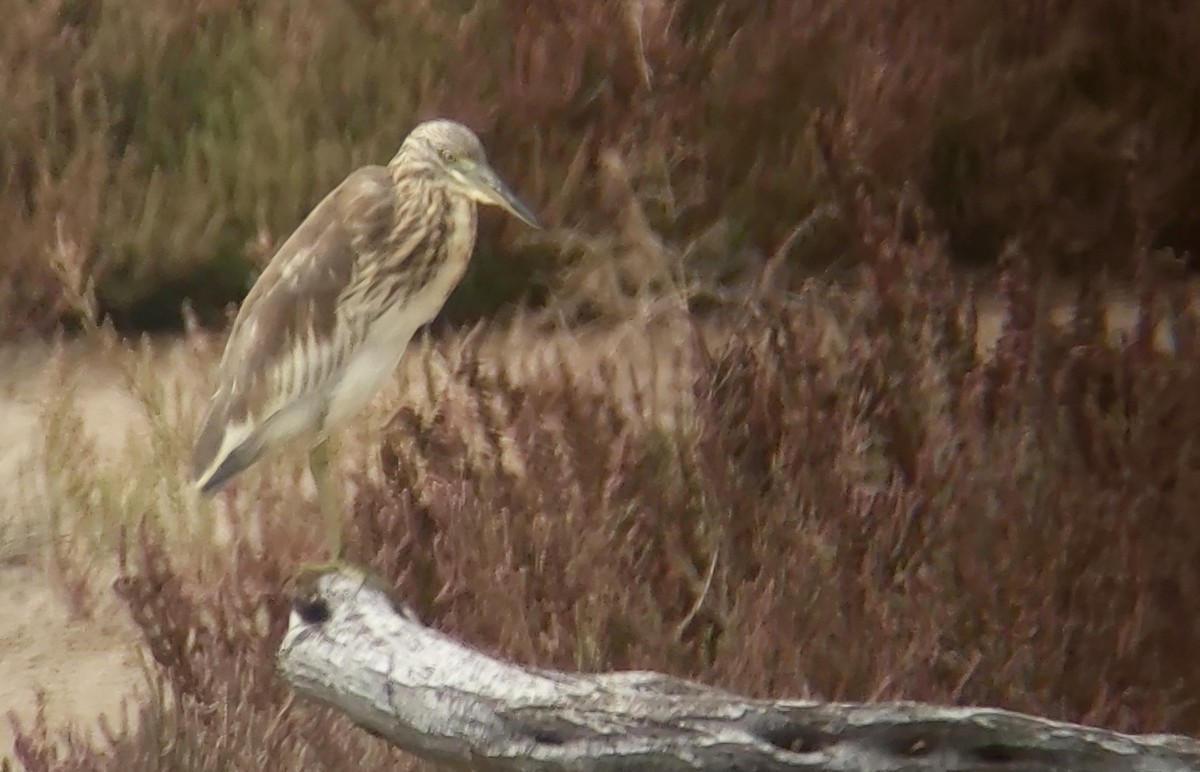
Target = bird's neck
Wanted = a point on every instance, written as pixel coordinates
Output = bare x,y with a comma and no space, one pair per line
461,220
434,224
431,201
406,165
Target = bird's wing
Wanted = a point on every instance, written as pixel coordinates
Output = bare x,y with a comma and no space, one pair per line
290,333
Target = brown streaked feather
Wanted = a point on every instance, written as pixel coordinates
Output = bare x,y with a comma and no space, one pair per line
330,317
294,308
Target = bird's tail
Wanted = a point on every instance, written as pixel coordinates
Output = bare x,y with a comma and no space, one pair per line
214,478
223,450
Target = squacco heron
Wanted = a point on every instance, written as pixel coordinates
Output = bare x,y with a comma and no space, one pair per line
330,317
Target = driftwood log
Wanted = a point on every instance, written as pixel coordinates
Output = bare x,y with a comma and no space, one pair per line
349,646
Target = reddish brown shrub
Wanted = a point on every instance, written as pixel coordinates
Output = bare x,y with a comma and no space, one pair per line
171,148
871,509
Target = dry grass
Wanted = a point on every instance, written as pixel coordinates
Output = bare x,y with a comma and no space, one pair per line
817,490
775,509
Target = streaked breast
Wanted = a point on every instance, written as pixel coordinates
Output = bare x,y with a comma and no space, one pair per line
419,298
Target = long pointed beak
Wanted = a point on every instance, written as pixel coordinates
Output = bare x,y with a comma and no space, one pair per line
492,188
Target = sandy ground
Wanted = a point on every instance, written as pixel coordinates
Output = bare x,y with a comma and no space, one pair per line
87,667
84,666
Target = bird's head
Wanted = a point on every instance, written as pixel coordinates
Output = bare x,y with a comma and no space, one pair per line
451,154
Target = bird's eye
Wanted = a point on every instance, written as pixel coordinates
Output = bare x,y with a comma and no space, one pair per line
447,156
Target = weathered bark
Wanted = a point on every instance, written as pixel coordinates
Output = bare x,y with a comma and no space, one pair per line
348,646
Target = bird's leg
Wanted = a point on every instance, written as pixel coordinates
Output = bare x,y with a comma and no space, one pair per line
318,459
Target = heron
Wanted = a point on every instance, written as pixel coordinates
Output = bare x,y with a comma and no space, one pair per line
330,316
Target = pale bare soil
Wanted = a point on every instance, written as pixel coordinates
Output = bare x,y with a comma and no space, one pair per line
87,665
84,667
